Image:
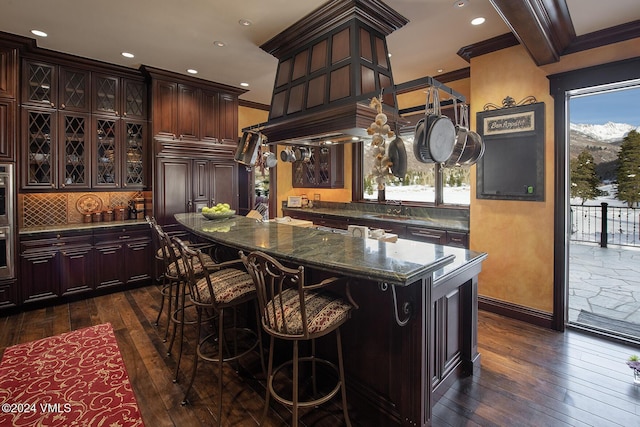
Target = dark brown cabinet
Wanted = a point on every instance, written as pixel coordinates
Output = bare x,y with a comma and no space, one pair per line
118,153
118,96
8,102
123,257
8,72
191,109
324,169
51,86
82,135
69,263
187,185
7,128
429,235
55,266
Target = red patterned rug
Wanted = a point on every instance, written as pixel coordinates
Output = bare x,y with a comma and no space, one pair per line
73,379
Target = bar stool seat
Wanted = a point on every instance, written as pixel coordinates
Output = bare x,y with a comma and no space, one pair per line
292,310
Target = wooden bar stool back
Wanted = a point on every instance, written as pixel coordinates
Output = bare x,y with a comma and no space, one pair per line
292,310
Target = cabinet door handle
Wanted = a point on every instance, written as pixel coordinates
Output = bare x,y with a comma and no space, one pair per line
63,106
124,237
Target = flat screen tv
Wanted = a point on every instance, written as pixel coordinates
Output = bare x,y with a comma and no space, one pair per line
247,150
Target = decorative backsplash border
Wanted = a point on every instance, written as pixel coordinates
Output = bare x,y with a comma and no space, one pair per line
38,209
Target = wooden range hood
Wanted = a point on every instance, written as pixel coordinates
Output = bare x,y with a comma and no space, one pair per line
331,63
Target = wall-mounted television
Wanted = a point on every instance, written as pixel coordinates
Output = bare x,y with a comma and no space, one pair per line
247,150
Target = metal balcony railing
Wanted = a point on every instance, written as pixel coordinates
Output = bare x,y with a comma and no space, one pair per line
605,225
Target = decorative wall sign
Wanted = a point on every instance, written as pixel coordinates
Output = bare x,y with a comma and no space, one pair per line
512,167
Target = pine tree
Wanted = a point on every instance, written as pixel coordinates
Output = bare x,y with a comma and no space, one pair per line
629,169
584,180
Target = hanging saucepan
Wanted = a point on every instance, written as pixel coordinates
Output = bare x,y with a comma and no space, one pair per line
398,157
287,155
436,137
462,130
473,150
270,160
303,153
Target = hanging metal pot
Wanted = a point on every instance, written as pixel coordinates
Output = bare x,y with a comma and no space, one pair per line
398,156
462,131
435,134
473,150
303,154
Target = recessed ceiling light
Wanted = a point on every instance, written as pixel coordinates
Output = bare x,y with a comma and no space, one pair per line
39,33
218,43
128,55
389,55
192,71
460,3
245,22
440,70
478,21
355,138
243,84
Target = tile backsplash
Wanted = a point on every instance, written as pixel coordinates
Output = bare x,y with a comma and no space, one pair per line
38,209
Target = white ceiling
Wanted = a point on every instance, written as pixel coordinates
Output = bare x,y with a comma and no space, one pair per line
178,34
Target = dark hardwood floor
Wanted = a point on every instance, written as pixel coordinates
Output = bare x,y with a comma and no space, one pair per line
529,376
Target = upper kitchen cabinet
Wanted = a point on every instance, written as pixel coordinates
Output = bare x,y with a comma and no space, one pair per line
8,103
190,109
83,125
51,86
120,97
324,168
118,153
8,72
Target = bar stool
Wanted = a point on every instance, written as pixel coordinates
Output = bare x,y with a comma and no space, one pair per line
223,286
291,310
174,287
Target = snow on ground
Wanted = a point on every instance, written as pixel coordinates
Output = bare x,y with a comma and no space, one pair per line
421,193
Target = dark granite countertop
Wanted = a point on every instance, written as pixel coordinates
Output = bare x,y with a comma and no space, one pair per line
80,227
452,224
399,263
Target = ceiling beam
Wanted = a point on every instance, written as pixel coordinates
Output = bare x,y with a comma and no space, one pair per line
543,27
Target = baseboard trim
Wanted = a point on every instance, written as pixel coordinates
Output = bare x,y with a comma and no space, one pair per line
514,311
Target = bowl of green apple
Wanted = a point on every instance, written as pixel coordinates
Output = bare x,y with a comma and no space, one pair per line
219,211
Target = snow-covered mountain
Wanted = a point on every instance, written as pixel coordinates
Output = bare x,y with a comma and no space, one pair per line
608,132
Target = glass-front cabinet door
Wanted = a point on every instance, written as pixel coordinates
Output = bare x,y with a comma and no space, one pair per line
105,94
133,160
74,141
39,148
134,99
40,84
74,90
106,171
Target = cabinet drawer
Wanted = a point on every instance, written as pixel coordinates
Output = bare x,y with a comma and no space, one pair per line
429,235
122,235
457,239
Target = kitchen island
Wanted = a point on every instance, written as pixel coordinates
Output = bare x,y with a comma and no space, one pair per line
416,329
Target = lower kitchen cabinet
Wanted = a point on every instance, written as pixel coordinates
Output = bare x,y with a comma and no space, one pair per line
123,257
56,265
423,234
8,294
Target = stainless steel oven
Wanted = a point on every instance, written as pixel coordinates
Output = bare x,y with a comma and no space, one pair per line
7,188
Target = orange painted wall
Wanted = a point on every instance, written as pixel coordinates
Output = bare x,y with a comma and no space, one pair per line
518,236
